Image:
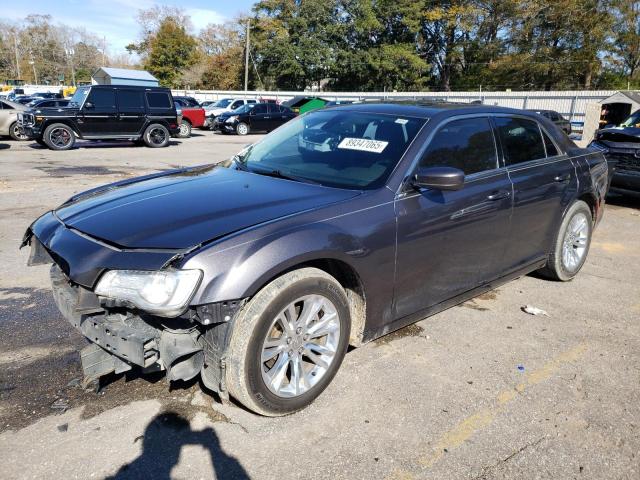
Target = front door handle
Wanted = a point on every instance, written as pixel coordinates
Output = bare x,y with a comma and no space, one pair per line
562,178
499,195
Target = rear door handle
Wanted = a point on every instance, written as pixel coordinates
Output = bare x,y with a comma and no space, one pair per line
562,178
499,195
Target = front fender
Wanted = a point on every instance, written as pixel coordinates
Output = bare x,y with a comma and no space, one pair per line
240,271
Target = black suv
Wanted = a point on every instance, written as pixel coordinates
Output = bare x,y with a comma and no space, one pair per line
105,112
253,117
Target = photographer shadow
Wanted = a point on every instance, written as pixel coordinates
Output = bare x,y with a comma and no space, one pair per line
163,440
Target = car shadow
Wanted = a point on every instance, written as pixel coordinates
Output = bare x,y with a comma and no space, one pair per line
162,443
4,146
623,198
101,144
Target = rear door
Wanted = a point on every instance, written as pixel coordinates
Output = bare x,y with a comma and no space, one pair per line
450,242
544,182
131,112
99,114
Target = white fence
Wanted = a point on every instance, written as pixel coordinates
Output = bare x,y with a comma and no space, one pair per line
571,104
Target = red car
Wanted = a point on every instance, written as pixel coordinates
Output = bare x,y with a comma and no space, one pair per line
192,115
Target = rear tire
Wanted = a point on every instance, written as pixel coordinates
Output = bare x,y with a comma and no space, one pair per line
59,136
185,129
308,346
156,136
572,244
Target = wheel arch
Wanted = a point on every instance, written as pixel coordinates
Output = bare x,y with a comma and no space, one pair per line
65,121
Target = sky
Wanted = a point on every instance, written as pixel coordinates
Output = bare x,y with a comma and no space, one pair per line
115,19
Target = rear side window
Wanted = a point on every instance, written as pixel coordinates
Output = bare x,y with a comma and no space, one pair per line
521,139
130,101
158,100
466,144
103,99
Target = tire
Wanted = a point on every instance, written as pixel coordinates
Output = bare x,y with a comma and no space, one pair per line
242,128
156,136
41,142
59,136
247,376
185,129
15,134
571,245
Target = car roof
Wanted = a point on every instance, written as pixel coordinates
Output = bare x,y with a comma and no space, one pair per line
422,109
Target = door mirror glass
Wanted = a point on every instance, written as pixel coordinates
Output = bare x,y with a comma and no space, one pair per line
440,178
89,105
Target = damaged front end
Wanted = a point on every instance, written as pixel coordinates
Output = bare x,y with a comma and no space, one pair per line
121,335
621,147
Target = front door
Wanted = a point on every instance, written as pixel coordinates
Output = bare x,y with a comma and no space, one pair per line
99,114
450,242
131,112
260,118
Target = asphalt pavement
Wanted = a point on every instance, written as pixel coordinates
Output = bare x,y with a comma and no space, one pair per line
480,391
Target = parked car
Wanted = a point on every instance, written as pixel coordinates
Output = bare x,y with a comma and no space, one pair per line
24,99
105,112
46,95
9,120
555,117
47,103
254,117
621,146
192,115
222,106
346,224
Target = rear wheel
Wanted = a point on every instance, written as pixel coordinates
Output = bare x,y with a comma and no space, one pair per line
288,342
156,136
185,129
572,244
59,136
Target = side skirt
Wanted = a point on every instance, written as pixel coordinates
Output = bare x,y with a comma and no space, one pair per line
452,302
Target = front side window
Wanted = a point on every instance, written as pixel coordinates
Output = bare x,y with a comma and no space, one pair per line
236,104
341,149
521,139
259,108
102,99
158,100
465,144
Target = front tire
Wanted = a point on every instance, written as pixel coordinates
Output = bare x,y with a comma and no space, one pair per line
59,136
185,129
572,244
242,128
14,133
156,136
288,342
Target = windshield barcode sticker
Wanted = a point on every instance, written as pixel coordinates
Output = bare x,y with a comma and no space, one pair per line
363,144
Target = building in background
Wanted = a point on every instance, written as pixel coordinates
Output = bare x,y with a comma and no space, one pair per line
123,76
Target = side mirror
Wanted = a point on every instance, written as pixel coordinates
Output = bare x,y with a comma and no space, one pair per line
89,105
440,178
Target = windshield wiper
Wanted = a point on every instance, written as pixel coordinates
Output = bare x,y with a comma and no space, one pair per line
286,176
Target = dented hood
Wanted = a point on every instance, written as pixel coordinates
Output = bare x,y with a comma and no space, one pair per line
187,208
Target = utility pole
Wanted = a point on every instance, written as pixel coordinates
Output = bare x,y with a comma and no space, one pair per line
246,61
15,46
104,47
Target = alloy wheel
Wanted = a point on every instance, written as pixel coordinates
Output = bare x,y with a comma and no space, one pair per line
18,135
574,245
60,137
158,136
300,346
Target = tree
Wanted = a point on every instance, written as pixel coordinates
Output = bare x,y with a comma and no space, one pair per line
625,47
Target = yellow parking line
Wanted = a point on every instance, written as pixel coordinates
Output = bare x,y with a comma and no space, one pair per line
481,419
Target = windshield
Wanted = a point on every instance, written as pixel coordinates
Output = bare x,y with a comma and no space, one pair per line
335,148
244,108
224,103
633,120
79,96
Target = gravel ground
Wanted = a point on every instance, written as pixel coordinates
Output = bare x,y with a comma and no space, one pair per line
480,391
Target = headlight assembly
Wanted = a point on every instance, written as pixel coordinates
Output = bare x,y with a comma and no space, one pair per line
166,293
232,119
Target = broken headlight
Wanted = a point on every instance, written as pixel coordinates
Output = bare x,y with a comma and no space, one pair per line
166,293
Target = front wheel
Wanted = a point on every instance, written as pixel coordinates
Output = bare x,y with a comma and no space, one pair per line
59,137
242,128
14,132
185,129
572,244
156,136
288,342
